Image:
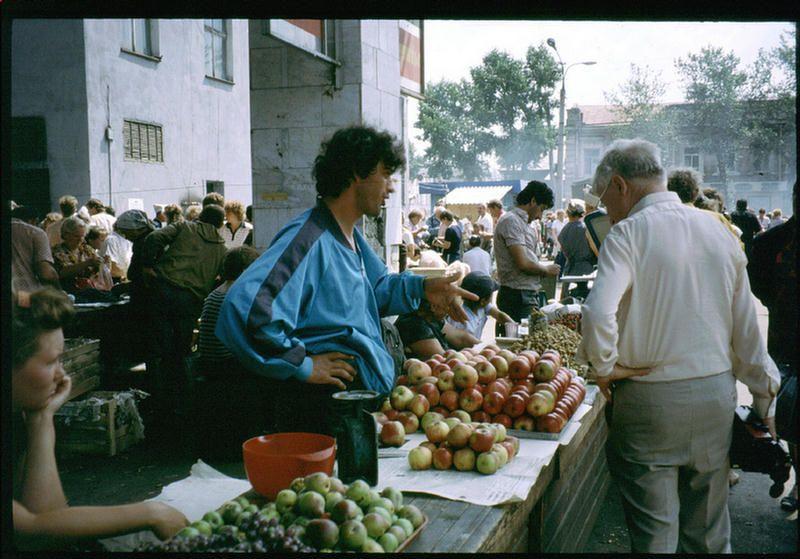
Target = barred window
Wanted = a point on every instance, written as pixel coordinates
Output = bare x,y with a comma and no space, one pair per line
143,142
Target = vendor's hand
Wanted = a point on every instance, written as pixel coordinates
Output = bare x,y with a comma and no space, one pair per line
552,269
165,521
770,423
442,292
329,368
619,373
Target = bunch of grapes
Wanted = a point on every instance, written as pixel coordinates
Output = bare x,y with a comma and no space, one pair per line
254,535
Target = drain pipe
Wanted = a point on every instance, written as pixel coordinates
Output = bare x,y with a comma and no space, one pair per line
109,139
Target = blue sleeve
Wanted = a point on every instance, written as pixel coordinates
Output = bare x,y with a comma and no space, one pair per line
262,309
395,293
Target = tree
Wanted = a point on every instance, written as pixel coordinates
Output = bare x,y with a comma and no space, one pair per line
513,101
769,119
447,121
638,104
715,87
505,110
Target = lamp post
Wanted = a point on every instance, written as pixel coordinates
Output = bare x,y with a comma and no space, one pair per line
561,174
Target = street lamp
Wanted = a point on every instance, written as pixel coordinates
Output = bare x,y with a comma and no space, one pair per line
561,174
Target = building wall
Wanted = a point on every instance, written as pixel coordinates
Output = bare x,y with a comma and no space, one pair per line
48,80
296,104
206,132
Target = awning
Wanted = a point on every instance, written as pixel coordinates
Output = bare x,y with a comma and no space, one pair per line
473,195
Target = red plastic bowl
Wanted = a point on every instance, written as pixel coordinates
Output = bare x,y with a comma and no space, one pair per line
273,461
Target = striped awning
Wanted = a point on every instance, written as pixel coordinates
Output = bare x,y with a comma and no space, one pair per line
467,195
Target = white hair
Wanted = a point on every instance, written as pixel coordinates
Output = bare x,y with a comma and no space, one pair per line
630,159
71,224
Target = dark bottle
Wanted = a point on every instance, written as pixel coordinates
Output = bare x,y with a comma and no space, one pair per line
356,435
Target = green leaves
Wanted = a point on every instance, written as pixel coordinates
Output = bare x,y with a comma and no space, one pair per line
505,110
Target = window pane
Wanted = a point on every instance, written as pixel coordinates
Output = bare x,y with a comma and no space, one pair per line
139,35
209,55
127,34
219,57
135,151
219,24
151,143
160,144
143,141
330,39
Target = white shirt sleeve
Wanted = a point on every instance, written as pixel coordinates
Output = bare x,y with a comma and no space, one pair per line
752,365
599,326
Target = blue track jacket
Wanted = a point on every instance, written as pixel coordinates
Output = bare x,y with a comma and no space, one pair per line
310,293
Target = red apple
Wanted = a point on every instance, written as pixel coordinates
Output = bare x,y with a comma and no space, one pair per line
539,404
527,383
432,363
488,353
486,372
493,347
418,371
393,434
442,458
500,365
481,440
442,410
430,418
392,415
449,399
419,405
503,420
453,363
400,397
519,368
531,356
525,423
437,432
429,445
507,354
462,415
514,406
497,386
493,403
459,435
409,420
430,392
380,417
510,449
561,415
546,386
480,416
402,380
465,376
439,368
553,355
439,358
470,400
549,423
446,381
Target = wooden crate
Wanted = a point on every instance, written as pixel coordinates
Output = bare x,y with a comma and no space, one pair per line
102,436
81,361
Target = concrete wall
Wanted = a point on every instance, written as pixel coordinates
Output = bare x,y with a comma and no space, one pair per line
295,106
206,123
48,80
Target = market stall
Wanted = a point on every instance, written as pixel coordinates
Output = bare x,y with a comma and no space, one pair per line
543,487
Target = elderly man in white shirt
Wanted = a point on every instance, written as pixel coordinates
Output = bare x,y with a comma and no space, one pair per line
668,329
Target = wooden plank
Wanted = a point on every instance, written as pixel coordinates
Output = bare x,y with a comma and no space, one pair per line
478,529
433,508
80,361
569,513
595,507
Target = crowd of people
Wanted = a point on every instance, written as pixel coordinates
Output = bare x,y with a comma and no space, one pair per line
304,317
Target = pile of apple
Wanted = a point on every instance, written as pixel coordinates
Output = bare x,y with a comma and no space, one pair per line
464,446
524,391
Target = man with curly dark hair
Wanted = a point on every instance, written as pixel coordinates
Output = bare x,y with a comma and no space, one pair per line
307,313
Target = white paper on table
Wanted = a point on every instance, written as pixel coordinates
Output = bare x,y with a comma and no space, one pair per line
568,433
591,391
205,489
510,484
582,410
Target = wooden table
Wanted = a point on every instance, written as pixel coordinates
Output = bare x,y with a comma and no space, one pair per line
557,516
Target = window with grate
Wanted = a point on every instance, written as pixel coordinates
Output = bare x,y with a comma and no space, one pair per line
216,51
143,142
137,36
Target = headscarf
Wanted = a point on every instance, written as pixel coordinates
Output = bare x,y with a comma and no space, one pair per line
133,220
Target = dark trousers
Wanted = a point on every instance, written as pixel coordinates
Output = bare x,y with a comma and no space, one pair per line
516,303
173,315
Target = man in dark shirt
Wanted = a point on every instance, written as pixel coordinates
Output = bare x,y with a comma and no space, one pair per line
747,221
451,243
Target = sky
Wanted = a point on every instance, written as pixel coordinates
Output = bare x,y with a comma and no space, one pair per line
453,47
